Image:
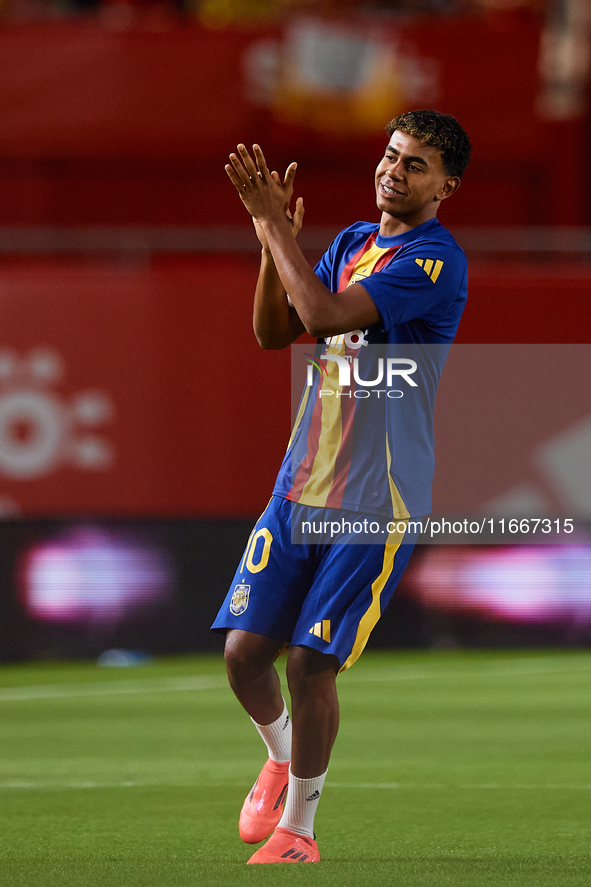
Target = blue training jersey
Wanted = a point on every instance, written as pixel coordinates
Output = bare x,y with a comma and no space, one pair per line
363,436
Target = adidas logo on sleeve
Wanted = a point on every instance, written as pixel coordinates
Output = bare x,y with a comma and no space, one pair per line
431,267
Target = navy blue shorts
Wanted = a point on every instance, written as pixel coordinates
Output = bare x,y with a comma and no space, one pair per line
328,596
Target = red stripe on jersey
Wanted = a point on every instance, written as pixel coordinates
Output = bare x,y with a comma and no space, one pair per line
347,272
305,470
385,259
343,459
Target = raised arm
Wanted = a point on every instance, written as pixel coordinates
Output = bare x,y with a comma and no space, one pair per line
321,312
275,322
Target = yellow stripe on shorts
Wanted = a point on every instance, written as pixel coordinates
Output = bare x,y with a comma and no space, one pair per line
370,618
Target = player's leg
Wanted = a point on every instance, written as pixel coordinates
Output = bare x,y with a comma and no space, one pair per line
258,617
315,709
254,679
311,677
315,713
352,585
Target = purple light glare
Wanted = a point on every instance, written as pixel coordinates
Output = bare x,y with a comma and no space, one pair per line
93,575
520,583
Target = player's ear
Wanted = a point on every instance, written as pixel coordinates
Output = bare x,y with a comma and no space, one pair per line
449,187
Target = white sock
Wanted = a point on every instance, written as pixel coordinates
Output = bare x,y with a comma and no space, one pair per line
277,736
300,807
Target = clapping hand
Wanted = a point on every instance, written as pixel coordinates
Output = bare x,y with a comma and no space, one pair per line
262,192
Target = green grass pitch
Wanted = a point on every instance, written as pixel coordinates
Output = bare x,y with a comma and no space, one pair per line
450,768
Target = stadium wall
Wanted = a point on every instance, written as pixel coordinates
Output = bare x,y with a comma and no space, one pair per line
128,391
140,425
129,126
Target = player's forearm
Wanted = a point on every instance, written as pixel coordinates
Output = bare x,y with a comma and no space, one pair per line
322,312
276,325
315,304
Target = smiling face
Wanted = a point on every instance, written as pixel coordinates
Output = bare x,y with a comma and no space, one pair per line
410,184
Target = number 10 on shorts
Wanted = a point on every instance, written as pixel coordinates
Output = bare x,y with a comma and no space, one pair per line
255,548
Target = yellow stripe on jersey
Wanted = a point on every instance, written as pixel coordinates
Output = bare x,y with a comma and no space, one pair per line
431,267
369,619
399,509
298,418
367,263
317,488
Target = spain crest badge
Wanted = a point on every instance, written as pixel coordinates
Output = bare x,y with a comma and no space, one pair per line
239,601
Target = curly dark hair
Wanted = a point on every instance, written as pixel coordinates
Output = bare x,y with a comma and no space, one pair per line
440,131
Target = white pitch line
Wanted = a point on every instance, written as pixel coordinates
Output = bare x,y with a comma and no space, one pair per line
30,785
485,673
113,688
218,682
470,787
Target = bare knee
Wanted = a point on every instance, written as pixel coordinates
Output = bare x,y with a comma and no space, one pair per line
309,670
248,655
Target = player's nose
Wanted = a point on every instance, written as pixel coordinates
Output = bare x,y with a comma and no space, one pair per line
395,169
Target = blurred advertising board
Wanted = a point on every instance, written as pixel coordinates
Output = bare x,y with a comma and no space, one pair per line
130,390
131,126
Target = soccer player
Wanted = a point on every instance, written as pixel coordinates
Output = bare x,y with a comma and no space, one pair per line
400,283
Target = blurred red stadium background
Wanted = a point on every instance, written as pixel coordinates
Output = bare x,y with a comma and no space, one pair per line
128,262
131,386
